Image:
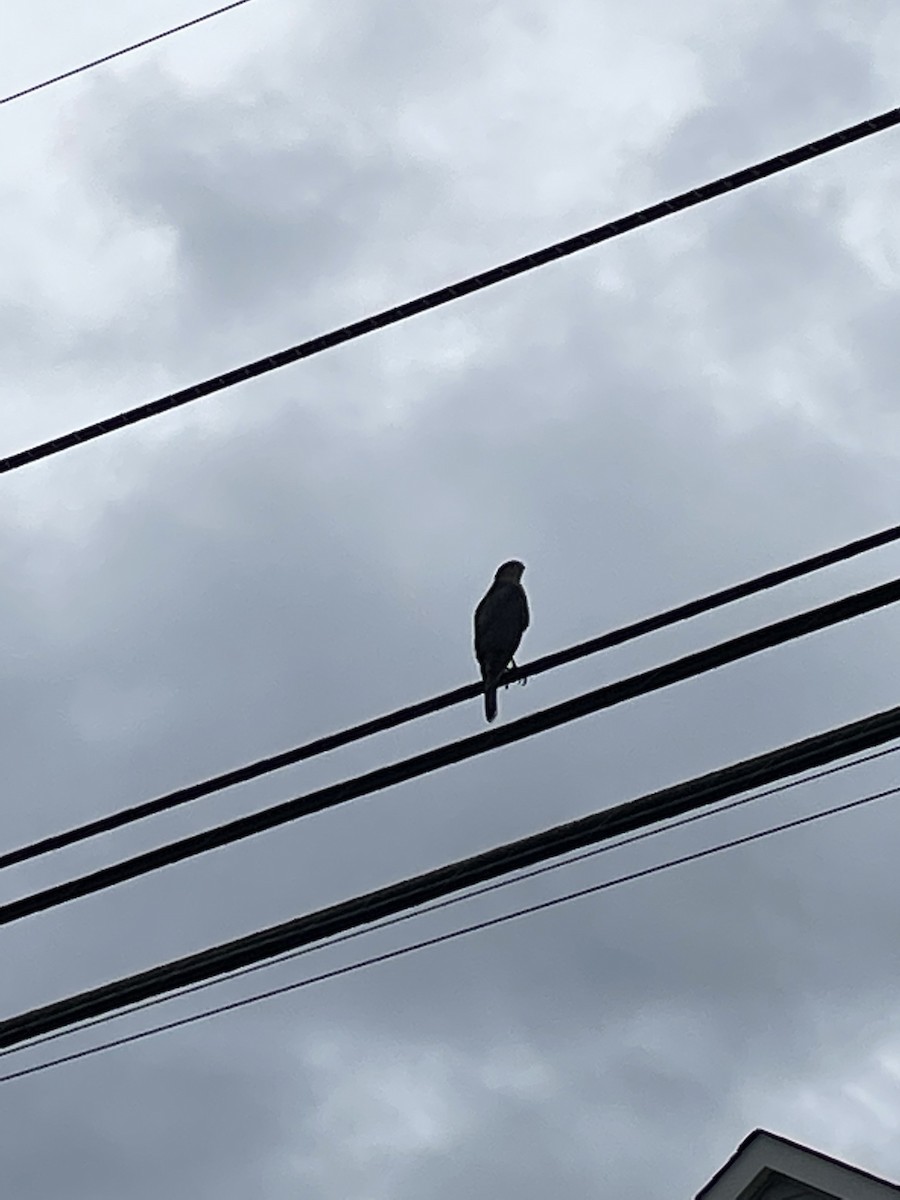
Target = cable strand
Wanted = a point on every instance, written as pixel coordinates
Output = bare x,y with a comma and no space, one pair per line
452,935
401,716
604,825
451,901
451,753
106,58
455,291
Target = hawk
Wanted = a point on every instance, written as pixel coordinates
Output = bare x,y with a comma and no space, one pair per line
500,620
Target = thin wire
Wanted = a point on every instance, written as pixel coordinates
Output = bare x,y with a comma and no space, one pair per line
99,62
794,760
455,291
690,666
401,716
448,902
454,934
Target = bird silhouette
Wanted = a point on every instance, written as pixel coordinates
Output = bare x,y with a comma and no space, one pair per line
500,620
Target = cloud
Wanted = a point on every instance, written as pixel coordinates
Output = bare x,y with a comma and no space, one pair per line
640,424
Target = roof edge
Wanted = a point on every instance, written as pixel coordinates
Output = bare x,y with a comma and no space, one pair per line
786,1141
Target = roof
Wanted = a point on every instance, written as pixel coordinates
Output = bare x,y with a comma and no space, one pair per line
763,1156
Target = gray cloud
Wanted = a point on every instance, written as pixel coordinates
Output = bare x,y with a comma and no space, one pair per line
306,552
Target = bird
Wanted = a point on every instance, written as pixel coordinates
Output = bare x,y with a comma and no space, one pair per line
501,618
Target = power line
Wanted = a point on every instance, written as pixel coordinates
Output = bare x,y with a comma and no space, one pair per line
746,644
454,291
412,892
452,901
452,935
99,62
412,712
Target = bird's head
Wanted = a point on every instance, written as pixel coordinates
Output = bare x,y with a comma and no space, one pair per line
511,571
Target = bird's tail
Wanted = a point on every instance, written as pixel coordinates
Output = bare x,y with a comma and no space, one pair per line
490,701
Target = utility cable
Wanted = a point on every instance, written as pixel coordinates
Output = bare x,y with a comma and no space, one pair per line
264,944
454,291
746,644
412,712
99,62
451,901
452,935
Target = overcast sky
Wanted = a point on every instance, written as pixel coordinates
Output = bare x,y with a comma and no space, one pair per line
690,405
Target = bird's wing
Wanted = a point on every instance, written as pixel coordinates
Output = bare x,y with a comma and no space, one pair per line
526,615
487,611
501,619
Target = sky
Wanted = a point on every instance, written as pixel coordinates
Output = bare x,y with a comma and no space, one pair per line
685,407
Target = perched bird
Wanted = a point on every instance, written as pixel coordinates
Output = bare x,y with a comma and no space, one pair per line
500,620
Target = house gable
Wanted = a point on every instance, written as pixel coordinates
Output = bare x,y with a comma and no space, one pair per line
769,1167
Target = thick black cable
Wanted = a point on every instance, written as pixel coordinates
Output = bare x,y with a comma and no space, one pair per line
698,663
450,901
422,708
99,62
454,291
452,935
410,893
